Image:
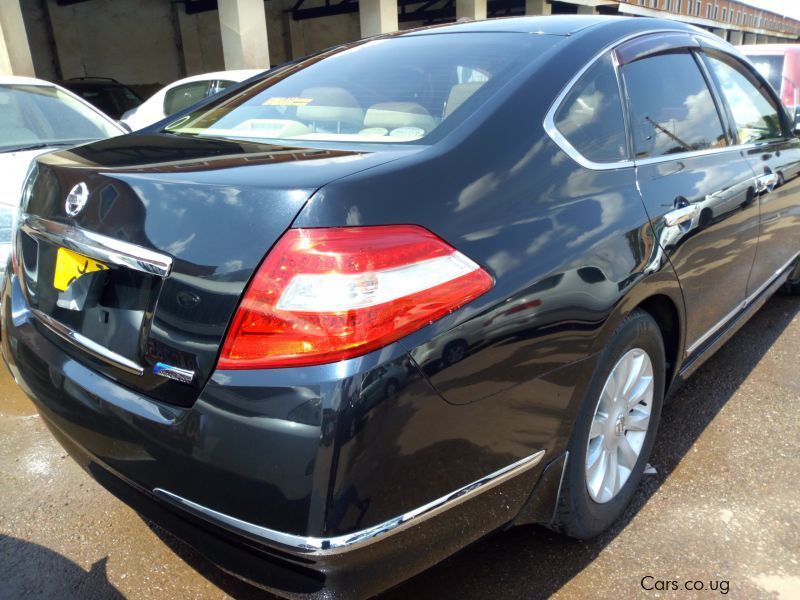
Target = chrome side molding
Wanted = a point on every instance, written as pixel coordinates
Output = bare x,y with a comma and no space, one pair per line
740,307
90,347
317,546
97,246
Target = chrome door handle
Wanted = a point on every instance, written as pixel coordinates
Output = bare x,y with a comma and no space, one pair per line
766,182
681,215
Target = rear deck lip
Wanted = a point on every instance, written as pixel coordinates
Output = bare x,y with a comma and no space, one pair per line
326,546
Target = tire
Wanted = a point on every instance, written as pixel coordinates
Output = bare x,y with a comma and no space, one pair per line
792,285
582,512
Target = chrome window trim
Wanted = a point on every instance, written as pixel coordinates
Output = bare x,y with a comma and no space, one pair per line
97,246
89,346
744,304
554,134
319,546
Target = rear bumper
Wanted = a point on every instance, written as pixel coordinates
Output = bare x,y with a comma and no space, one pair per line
276,476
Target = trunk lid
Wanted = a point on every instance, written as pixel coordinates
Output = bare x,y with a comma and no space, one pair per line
181,225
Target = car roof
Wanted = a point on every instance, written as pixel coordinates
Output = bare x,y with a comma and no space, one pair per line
235,75
549,25
18,80
91,82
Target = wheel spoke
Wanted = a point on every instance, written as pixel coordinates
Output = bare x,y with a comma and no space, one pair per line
596,473
634,371
642,390
627,455
611,475
638,419
598,426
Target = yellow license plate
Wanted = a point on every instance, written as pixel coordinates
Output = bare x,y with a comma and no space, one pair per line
71,266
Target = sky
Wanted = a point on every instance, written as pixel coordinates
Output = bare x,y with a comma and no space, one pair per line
788,8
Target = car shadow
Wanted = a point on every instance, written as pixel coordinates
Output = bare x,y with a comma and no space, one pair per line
492,566
31,570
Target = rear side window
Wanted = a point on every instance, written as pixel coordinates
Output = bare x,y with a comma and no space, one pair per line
590,117
185,95
754,113
671,107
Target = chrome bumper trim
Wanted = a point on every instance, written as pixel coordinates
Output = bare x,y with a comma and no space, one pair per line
87,345
99,247
335,545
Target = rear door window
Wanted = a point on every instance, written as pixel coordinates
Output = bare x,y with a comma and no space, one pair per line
755,113
671,107
591,118
771,68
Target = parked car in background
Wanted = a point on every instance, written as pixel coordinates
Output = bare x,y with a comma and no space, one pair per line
335,324
182,94
107,94
37,116
780,66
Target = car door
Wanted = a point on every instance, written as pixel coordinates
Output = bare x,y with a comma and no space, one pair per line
773,153
698,189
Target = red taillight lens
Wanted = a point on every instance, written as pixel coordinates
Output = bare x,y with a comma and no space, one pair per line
324,295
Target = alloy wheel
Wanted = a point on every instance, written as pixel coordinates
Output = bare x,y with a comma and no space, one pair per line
619,425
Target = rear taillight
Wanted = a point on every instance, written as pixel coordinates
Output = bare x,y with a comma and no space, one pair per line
323,295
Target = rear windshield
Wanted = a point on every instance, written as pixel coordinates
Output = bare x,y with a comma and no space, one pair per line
771,68
391,90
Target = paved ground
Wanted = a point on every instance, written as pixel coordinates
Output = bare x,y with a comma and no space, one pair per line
723,508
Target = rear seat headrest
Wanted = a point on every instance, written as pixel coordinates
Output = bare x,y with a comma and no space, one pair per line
331,105
459,94
392,115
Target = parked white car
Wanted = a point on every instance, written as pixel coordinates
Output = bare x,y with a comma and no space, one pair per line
182,94
37,116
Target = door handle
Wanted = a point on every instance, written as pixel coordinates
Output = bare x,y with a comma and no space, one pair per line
766,182
681,215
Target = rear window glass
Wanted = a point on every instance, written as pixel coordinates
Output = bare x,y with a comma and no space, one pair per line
671,106
391,90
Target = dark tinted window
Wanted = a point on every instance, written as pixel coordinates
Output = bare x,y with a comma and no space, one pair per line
754,112
33,114
389,90
771,68
185,95
590,117
671,106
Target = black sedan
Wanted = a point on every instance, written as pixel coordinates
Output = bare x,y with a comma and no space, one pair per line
340,321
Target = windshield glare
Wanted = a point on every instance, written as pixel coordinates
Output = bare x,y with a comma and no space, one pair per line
391,90
39,114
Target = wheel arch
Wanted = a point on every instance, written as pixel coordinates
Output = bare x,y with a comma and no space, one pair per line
661,297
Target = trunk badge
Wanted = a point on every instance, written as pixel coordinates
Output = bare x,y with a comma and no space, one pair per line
170,372
76,199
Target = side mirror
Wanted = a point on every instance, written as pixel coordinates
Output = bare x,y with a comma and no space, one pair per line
797,120
125,126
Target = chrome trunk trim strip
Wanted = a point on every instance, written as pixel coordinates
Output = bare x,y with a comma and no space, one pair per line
90,347
335,545
97,246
